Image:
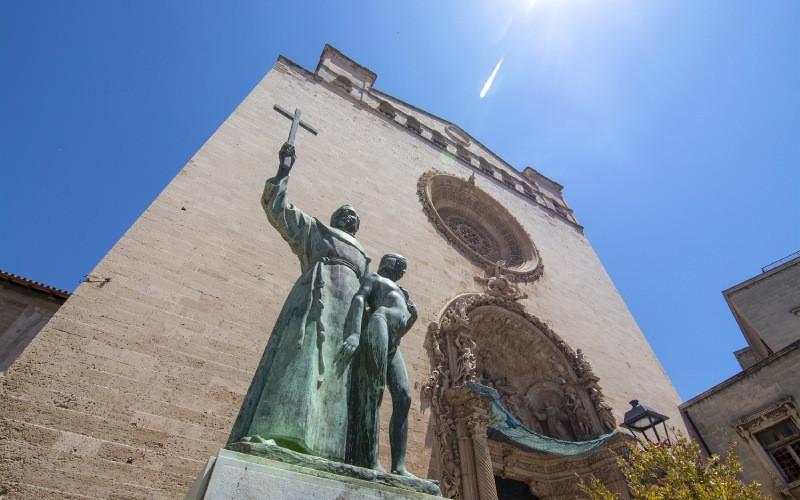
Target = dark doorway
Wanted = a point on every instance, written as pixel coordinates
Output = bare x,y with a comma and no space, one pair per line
509,489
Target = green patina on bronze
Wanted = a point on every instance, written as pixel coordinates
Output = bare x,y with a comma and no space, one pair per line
296,397
334,347
380,314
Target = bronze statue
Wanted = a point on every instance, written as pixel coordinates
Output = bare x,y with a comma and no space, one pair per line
380,314
296,398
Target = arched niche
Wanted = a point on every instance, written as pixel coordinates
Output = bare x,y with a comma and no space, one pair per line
489,341
537,376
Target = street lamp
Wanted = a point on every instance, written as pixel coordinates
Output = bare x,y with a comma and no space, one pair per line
641,418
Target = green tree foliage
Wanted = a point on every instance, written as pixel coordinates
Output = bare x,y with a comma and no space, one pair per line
678,472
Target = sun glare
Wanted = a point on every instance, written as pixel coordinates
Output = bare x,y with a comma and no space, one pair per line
488,83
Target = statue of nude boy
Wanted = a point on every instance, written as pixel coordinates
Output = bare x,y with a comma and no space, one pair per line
388,313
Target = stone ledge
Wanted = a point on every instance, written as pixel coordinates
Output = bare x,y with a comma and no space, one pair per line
289,475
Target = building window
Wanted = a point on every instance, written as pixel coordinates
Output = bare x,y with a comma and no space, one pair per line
782,443
479,226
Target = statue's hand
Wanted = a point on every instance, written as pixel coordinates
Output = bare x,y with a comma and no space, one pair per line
412,309
347,349
287,157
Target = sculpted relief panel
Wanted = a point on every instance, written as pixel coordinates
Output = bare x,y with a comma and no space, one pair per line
538,384
486,348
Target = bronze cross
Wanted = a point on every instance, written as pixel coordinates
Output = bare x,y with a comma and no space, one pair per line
295,122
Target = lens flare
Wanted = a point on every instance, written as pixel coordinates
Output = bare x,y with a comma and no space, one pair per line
491,78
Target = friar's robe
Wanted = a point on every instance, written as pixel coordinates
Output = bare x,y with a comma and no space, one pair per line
298,397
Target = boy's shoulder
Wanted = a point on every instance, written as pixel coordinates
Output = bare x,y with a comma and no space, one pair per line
386,281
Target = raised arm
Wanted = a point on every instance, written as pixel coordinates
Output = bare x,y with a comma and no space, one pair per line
290,222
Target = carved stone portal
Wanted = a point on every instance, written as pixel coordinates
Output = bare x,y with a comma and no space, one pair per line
488,340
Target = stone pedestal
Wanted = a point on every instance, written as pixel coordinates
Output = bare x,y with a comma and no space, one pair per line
234,475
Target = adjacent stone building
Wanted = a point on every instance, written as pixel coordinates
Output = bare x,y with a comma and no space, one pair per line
25,307
757,408
137,380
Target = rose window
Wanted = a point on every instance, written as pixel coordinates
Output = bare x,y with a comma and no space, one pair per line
478,225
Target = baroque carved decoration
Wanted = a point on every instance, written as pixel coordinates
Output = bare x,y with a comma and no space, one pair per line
500,286
553,477
491,340
769,415
478,225
435,388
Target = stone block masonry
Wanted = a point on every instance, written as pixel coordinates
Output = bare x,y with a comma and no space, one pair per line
136,381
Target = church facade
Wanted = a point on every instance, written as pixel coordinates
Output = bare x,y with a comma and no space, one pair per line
521,364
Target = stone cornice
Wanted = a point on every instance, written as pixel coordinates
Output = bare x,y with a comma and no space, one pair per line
510,179
742,374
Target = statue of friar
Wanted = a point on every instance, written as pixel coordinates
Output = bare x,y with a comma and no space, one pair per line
297,398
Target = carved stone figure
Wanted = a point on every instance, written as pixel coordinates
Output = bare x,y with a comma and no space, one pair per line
583,366
555,419
582,419
378,362
604,413
296,398
500,286
466,359
606,417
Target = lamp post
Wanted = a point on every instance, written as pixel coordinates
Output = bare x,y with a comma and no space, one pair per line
641,418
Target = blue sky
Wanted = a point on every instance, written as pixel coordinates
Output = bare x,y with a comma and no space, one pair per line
673,125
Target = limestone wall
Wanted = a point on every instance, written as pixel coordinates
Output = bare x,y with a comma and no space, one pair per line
768,306
748,400
136,381
24,310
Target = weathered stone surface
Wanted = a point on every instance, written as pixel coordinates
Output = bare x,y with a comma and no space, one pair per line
745,404
25,307
160,357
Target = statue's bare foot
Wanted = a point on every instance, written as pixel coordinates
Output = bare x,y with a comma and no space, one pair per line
377,468
401,471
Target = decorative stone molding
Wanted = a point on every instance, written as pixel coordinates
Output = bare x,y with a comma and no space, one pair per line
500,286
478,225
767,416
343,83
463,153
460,137
438,139
356,82
508,180
552,477
413,124
551,389
485,166
387,109
435,388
